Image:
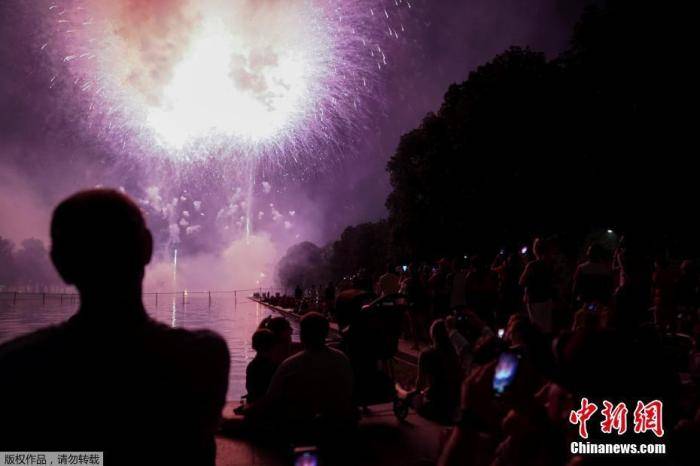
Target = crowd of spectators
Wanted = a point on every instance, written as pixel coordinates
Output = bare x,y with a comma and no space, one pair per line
515,358
621,325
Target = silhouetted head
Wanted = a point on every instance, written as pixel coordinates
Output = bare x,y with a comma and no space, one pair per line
279,326
586,321
313,330
443,265
540,247
596,252
282,336
99,241
479,263
263,341
388,284
688,267
439,335
519,330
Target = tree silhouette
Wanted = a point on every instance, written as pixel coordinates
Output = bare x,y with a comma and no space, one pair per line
7,262
458,178
302,265
363,246
33,264
528,146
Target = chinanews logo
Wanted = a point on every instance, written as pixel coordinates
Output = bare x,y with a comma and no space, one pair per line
646,418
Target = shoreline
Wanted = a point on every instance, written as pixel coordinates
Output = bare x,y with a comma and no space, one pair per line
405,354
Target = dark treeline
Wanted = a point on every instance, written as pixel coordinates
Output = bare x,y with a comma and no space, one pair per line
527,146
28,266
359,247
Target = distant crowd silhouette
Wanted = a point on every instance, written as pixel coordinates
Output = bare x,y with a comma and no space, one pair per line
616,327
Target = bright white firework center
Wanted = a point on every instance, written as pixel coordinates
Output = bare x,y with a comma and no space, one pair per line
242,83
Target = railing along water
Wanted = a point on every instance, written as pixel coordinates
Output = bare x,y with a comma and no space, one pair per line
73,297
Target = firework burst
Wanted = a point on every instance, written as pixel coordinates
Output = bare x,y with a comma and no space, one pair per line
268,81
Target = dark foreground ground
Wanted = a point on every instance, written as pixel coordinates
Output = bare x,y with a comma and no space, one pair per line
381,440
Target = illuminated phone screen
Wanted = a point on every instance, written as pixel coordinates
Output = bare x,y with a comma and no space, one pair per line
505,372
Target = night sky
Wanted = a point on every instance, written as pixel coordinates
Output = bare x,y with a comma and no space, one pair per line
51,146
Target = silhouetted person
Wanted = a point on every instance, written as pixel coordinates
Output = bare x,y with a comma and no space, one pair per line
538,281
110,378
631,299
436,395
439,285
508,267
310,390
329,298
260,370
481,289
593,279
688,287
388,283
282,331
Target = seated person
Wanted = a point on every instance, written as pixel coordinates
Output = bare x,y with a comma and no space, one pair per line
260,370
313,385
110,378
436,395
465,329
284,346
370,340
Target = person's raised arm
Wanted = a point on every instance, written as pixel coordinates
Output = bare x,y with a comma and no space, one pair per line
525,276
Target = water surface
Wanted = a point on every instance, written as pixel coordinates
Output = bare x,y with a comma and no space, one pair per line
235,319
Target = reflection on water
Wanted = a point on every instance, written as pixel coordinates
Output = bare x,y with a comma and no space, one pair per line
235,320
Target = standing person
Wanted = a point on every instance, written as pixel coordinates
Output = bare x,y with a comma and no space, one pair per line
388,283
329,299
664,280
508,268
632,296
593,278
688,288
414,290
439,285
481,290
538,282
121,383
458,288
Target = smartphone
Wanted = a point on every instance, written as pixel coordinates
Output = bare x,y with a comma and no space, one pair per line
523,250
506,370
404,268
592,307
501,332
306,456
